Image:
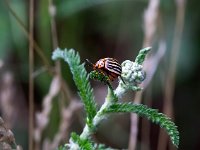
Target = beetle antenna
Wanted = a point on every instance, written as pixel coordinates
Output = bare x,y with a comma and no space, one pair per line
89,62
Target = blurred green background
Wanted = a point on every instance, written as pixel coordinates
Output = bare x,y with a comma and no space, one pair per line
97,29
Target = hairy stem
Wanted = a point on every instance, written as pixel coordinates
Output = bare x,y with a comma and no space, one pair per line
99,116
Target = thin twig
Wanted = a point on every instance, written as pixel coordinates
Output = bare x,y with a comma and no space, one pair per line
67,117
31,70
23,27
170,81
52,13
66,113
58,82
150,24
42,118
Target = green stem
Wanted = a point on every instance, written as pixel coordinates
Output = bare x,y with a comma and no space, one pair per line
88,131
110,99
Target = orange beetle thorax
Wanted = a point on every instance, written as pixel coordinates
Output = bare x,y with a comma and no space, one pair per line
100,64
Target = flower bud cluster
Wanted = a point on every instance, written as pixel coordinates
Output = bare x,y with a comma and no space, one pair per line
132,72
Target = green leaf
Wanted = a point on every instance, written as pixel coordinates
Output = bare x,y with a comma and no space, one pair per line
142,54
149,113
80,77
84,144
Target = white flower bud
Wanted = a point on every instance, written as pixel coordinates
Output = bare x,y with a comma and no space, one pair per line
132,72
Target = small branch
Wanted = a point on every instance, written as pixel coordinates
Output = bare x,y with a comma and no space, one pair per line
31,70
110,99
150,25
52,13
42,118
88,131
67,115
152,62
150,22
170,81
38,50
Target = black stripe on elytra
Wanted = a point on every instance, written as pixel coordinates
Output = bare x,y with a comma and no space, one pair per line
114,71
115,67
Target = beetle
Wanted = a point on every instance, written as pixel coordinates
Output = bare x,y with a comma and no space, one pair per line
108,66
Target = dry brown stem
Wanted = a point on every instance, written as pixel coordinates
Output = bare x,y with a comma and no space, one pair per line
66,120
42,118
150,25
38,50
31,70
171,74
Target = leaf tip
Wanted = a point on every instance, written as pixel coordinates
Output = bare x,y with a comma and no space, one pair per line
57,53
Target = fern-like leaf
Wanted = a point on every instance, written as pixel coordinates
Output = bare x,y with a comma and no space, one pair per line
80,77
84,144
151,114
142,54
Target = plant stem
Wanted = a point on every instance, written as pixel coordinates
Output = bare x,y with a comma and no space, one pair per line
87,131
31,70
171,74
38,50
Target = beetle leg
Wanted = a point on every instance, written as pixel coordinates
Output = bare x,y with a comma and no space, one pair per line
122,80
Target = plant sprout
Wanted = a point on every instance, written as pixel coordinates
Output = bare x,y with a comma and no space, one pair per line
133,74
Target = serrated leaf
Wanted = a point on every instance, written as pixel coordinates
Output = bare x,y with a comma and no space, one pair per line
84,144
152,114
80,78
142,54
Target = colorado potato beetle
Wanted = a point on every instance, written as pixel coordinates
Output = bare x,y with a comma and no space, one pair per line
108,66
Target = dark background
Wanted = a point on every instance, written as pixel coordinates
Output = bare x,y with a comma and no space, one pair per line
98,29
